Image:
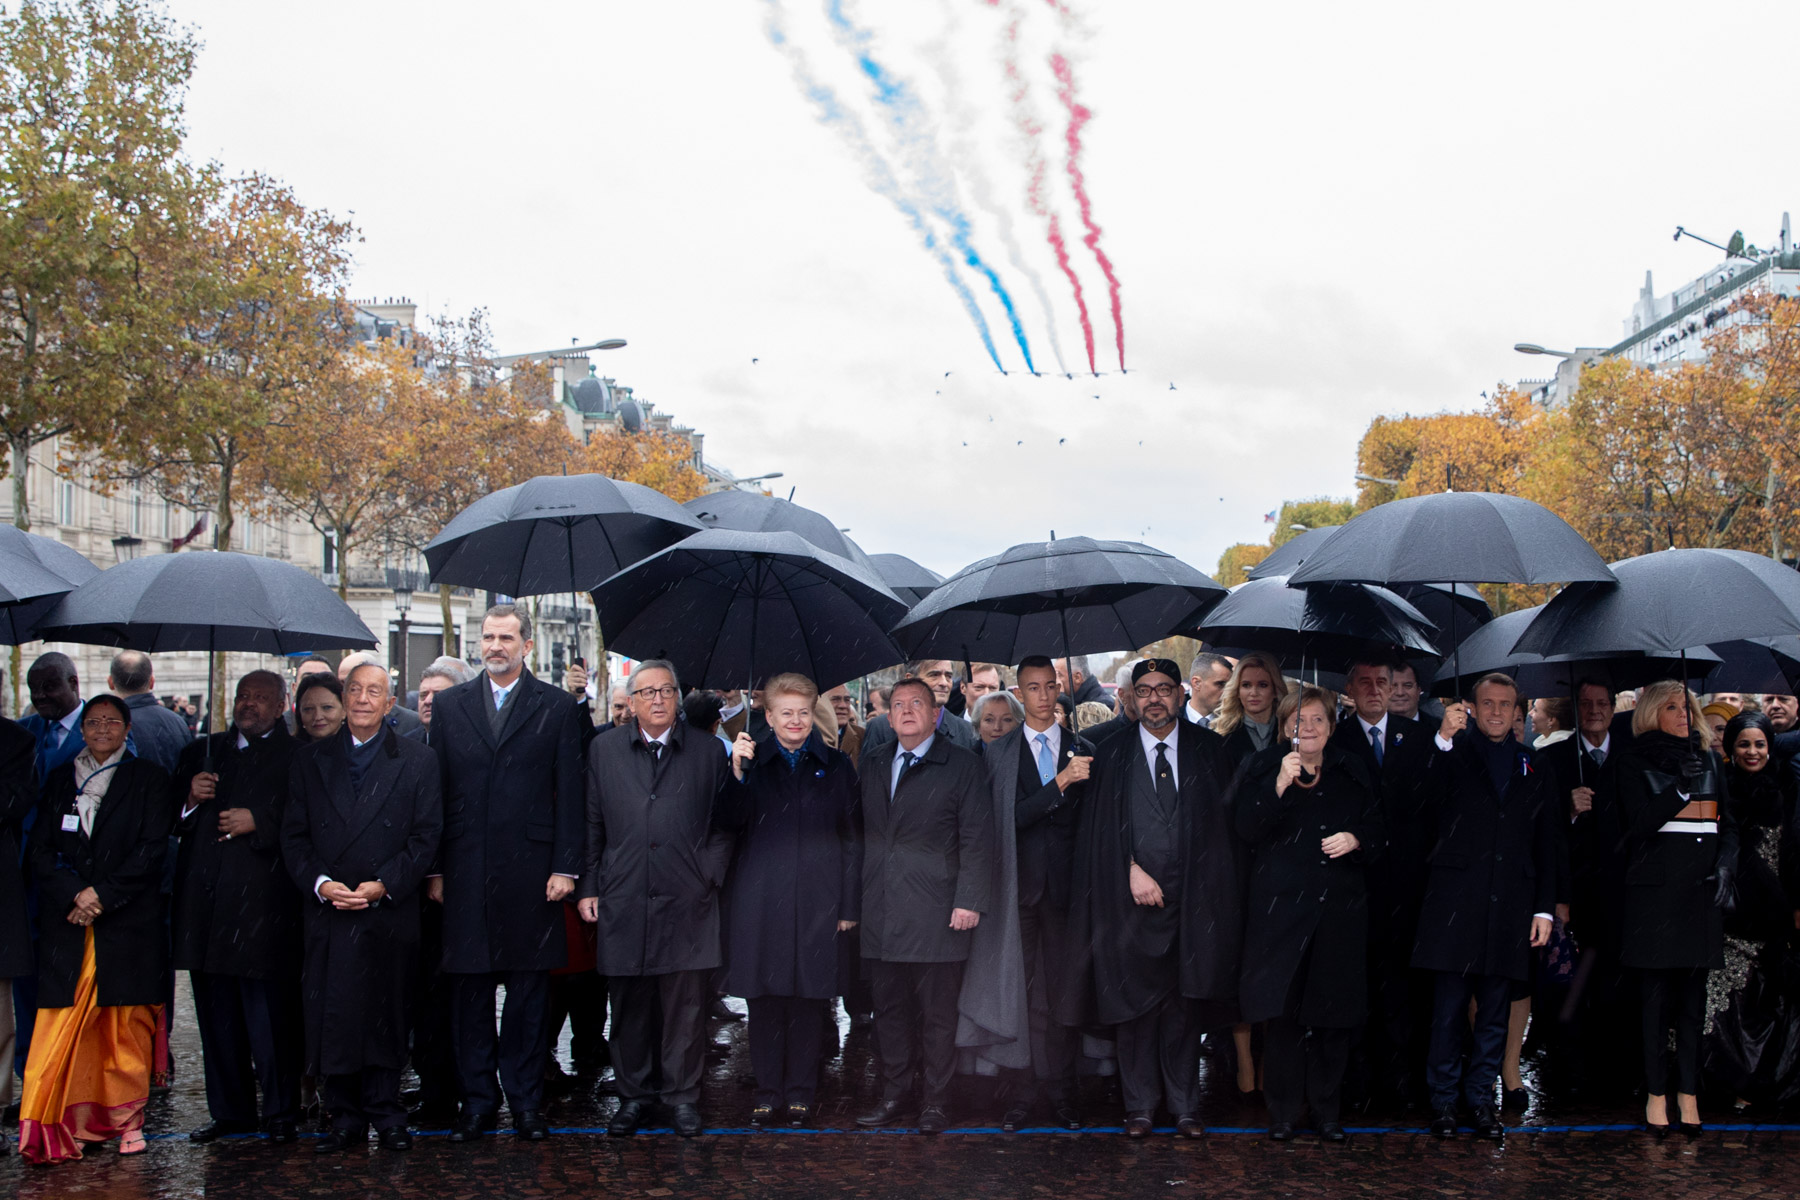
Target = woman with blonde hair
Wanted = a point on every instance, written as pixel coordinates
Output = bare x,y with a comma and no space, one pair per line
1678,875
1248,705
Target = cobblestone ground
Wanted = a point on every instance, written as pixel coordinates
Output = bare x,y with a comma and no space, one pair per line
1550,1152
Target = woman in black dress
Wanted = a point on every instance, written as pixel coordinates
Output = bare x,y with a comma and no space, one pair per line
1750,1025
1313,821
1669,789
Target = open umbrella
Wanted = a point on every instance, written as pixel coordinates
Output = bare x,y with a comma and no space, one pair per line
1060,598
1490,649
753,512
1323,626
208,600
1755,665
725,606
35,572
1286,558
1436,600
904,577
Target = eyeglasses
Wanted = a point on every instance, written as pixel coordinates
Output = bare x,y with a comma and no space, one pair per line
1161,691
102,723
664,692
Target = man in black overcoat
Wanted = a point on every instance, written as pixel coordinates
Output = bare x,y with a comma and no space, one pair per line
658,806
509,761
939,674
1162,873
1489,896
1018,963
928,868
236,920
18,796
1393,751
360,832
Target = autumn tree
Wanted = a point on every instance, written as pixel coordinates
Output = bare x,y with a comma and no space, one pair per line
655,458
1763,352
1297,516
1238,559
94,198
1482,451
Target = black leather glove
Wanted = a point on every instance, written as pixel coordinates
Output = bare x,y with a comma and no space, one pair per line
1696,780
1725,894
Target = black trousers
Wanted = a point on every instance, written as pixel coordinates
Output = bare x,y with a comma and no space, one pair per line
659,1034
368,1097
1676,998
519,1050
787,1042
1396,1033
579,998
1159,1057
1304,1066
1446,1074
249,1038
433,1052
915,1026
1055,1048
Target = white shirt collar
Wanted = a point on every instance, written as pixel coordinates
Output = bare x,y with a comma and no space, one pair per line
72,718
661,739
356,741
1053,735
1170,740
1366,726
243,743
1195,715
501,691
725,714
1605,746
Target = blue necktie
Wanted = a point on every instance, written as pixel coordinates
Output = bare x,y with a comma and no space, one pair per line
1375,745
1046,762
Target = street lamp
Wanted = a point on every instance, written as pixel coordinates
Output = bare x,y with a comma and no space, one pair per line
403,597
757,478
1376,479
126,547
1534,348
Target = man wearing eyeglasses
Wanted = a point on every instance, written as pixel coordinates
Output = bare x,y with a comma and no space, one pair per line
1159,902
658,812
509,758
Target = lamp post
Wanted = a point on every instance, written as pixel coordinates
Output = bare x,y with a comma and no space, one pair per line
126,548
757,478
403,594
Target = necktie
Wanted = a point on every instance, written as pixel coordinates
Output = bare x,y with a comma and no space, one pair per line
907,759
1165,780
1598,755
1046,762
656,749
54,735
500,698
1375,744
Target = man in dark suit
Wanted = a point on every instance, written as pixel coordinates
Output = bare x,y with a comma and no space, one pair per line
1159,912
509,757
236,914
360,832
939,675
157,734
1489,896
1037,774
18,796
1207,678
1393,751
657,853
928,866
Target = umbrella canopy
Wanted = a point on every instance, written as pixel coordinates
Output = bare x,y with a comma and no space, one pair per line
1490,649
728,607
1461,537
1326,626
904,577
1756,665
555,533
35,572
1286,558
206,600
1067,596
1669,602
753,512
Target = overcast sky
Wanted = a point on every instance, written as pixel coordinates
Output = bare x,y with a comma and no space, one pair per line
1318,213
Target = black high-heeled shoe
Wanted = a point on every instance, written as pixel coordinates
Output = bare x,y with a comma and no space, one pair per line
1691,1129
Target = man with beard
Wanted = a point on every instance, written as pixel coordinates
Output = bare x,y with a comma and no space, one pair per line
509,756
236,923
1161,871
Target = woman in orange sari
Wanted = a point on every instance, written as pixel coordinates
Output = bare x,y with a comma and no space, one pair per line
97,855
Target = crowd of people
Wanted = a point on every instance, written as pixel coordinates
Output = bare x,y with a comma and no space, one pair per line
1015,873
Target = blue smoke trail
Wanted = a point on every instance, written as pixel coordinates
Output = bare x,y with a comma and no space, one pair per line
879,175
914,132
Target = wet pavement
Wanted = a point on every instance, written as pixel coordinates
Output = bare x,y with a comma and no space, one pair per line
1549,1152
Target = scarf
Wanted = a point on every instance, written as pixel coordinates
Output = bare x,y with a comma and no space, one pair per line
1261,733
92,778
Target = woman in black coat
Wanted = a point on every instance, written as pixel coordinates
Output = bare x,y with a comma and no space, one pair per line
1669,791
1313,821
1248,705
96,853
795,886
1752,1032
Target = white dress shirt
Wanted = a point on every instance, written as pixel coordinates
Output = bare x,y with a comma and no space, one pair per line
1149,744
918,752
1052,737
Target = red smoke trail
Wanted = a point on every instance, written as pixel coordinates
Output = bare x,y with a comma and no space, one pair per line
1079,116
1032,129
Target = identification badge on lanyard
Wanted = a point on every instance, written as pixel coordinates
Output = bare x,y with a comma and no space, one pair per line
71,823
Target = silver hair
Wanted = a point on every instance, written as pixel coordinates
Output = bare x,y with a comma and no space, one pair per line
1012,702
448,666
658,664
1122,676
362,658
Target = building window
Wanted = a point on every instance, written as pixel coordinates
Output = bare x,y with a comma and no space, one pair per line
65,501
137,510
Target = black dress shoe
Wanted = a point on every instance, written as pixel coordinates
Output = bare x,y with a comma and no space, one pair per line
530,1125
1691,1128
470,1126
721,1011
1188,1125
1444,1124
625,1122
212,1131
1486,1120
1514,1099
1067,1115
1015,1119
341,1139
1138,1125
799,1116
283,1132
886,1113
1281,1131
933,1119
718,1051
397,1138
762,1116
1331,1131
687,1120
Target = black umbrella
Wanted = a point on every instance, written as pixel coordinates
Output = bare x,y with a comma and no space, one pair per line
35,572
554,533
1756,665
725,606
1286,558
1490,649
1323,626
1436,600
753,512
904,577
208,600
